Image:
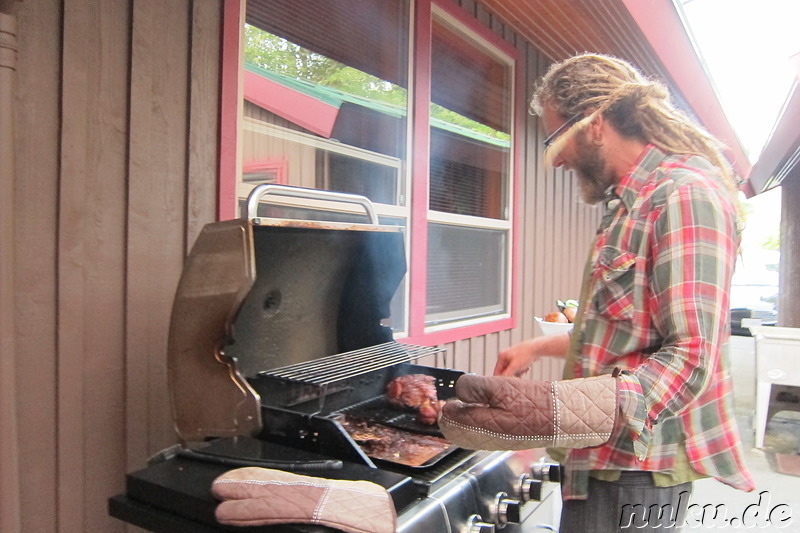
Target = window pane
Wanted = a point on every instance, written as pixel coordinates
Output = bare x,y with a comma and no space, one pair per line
467,176
334,114
368,35
470,126
466,273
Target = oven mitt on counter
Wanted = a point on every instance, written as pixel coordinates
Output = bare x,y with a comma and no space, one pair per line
505,413
253,496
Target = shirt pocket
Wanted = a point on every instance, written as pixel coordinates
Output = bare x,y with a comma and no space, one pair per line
614,282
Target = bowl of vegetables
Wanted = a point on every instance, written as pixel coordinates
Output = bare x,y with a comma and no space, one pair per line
559,321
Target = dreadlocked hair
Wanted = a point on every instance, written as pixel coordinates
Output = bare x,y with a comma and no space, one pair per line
636,106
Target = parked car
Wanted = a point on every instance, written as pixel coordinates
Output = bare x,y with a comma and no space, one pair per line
764,318
756,304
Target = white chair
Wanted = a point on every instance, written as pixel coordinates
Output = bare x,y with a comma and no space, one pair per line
777,375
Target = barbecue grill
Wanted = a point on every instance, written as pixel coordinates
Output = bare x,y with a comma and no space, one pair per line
278,356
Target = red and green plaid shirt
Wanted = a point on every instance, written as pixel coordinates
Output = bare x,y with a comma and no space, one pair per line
658,309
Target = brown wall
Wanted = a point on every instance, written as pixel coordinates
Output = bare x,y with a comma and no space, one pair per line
116,163
116,147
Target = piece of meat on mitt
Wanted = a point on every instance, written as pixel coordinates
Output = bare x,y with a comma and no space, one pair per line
418,392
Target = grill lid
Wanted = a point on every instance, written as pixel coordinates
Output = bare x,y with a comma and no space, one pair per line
261,294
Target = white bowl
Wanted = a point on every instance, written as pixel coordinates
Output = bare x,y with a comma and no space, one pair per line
551,328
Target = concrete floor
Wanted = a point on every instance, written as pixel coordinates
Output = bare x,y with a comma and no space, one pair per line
782,491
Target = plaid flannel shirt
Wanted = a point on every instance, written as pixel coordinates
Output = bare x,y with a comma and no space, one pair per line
658,287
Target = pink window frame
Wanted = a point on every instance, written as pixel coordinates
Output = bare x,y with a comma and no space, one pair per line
419,157
278,166
231,89
421,176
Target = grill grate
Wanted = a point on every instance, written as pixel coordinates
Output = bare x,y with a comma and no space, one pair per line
327,370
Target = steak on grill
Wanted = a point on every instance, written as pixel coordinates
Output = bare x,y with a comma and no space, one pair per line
416,391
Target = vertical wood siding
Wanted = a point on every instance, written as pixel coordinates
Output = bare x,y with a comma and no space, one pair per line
89,234
117,148
35,207
117,162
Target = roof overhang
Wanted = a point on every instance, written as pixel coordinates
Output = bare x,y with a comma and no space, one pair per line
309,112
649,33
780,159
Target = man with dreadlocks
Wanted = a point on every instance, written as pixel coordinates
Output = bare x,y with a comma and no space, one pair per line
645,405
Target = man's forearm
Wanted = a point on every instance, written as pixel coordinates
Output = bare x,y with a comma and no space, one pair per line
554,345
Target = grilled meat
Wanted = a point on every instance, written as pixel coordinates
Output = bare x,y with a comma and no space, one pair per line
393,444
416,391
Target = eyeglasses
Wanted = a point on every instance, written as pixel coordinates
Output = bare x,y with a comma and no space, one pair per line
564,127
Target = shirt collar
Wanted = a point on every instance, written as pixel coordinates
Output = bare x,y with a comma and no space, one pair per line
640,173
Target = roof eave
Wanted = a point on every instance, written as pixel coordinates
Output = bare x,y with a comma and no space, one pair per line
665,30
779,158
649,33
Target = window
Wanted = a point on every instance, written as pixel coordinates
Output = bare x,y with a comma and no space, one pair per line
265,171
327,98
335,115
469,221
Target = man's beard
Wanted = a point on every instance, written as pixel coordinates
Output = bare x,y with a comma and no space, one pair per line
594,178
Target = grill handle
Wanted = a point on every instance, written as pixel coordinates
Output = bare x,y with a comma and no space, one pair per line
310,194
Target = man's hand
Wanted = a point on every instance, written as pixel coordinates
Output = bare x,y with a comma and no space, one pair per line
516,360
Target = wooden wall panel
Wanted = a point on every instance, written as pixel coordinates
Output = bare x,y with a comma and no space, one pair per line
477,355
35,207
156,214
10,518
536,205
91,256
117,148
204,97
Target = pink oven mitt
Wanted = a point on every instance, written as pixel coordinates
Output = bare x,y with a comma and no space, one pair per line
254,496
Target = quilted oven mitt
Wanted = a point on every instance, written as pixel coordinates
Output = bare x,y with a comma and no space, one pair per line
505,413
254,496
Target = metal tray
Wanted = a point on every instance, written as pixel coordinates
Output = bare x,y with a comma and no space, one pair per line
423,450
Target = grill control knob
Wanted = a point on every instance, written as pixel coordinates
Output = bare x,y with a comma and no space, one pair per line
508,510
546,471
530,489
475,524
